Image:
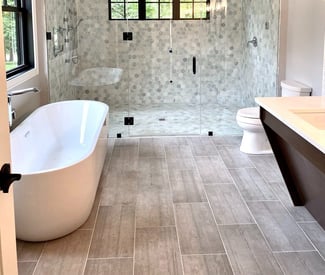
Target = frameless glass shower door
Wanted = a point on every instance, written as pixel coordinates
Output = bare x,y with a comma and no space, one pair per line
164,69
184,73
221,68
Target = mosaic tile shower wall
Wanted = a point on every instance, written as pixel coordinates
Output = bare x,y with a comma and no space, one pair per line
260,66
229,73
61,19
216,44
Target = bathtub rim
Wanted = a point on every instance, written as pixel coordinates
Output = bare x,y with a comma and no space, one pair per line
85,156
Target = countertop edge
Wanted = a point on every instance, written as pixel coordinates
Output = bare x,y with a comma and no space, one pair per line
280,116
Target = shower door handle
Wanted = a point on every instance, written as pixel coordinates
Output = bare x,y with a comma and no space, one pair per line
194,65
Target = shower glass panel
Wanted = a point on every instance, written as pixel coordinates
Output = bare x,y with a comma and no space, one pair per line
221,68
164,91
164,74
180,76
185,75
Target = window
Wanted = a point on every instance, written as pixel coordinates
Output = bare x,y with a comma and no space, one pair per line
158,9
18,36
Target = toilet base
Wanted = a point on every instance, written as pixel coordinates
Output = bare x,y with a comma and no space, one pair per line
255,143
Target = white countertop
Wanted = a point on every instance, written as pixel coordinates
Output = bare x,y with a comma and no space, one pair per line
305,115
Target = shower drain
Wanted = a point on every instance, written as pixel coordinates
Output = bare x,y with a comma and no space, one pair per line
162,119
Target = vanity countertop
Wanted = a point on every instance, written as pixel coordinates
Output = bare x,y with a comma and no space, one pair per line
305,115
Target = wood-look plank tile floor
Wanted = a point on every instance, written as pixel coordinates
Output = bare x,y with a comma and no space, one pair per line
187,206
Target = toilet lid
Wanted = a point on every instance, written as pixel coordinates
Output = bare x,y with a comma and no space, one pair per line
251,112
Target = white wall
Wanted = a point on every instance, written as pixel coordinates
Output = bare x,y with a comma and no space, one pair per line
305,42
324,70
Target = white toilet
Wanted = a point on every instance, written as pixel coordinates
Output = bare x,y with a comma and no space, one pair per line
254,139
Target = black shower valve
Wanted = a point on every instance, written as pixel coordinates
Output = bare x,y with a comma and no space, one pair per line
127,36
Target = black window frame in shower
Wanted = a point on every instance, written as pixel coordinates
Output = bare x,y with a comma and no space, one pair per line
176,9
22,13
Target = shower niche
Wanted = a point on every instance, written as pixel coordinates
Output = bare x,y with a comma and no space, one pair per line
97,76
58,41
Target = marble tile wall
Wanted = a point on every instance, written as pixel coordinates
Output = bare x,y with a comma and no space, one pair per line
148,69
61,15
229,72
260,66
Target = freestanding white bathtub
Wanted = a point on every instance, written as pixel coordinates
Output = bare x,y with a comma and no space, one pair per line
60,151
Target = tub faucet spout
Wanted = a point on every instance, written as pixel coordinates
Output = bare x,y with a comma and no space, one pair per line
11,110
23,91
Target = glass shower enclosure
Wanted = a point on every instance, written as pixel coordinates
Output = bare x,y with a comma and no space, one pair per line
185,70
161,72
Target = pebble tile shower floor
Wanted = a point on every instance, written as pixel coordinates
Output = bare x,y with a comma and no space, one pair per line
185,205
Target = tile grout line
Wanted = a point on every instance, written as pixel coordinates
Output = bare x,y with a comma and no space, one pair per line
157,226
91,238
298,225
315,247
293,251
135,211
263,178
205,254
39,258
27,261
134,239
259,228
302,222
174,212
97,212
211,210
110,258
178,242
287,210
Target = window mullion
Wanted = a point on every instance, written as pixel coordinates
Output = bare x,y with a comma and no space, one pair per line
20,39
176,9
125,3
192,8
208,10
139,9
142,9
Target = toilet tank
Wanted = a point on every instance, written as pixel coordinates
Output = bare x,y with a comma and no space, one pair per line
294,88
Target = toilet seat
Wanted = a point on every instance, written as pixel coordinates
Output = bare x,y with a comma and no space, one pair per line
251,112
249,115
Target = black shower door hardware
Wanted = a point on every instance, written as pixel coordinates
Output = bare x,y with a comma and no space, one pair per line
129,121
194,65
127,36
